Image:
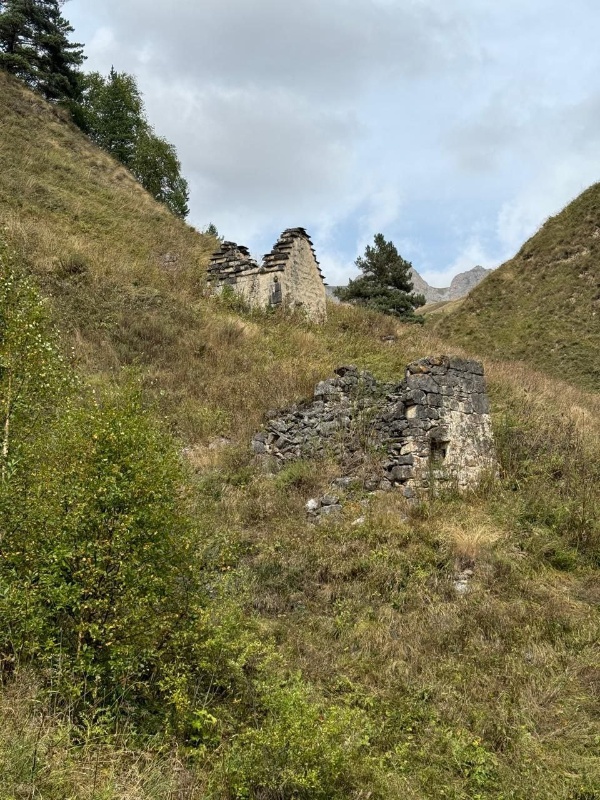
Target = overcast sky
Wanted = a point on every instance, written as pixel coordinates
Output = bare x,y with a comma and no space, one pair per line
454,127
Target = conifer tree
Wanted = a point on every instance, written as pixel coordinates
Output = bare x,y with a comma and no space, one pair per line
35,46
385,284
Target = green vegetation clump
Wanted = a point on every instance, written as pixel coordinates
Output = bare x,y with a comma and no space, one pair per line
35,46
111,112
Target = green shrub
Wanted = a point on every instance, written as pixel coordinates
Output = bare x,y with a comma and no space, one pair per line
102,581
299,749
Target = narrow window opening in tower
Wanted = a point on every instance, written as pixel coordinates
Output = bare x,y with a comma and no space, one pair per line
439,451
276,296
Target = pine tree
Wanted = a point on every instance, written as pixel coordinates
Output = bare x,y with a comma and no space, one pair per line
59,57
385,284
35,46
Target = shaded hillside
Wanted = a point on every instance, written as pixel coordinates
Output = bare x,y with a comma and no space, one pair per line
542,306
67,203
443,649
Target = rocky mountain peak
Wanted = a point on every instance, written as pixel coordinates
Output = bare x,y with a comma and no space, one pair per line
460,286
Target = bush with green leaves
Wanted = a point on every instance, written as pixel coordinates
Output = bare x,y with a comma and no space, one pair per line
103,584
299,748
32,373
111,112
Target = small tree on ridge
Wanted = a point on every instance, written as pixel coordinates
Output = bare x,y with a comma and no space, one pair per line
385,284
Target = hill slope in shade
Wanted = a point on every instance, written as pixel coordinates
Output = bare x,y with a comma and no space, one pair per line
428,690
542,306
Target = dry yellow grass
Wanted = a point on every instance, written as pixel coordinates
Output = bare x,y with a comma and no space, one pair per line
368,612
470,539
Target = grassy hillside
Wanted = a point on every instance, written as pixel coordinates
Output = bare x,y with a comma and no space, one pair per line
542,306
331,661
438,309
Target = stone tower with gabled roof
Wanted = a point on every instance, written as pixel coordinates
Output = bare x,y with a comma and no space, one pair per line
289,275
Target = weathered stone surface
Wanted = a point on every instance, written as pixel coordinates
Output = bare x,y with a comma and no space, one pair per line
289,275
431,429
327,511
346,483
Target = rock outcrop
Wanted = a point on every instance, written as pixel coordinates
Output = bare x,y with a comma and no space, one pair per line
432,429
465,281
461,285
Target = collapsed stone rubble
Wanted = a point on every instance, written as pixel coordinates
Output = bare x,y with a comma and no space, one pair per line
432,429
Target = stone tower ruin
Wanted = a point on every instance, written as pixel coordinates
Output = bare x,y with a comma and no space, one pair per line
429,431
289,275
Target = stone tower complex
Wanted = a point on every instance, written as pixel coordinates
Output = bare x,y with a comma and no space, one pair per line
289,275
430,430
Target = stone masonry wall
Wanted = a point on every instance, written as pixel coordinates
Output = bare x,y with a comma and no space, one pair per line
289,275
233,266
301,280
431,429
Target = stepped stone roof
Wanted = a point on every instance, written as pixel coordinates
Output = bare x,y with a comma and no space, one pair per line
233,259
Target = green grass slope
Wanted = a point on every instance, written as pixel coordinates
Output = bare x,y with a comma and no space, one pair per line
542,306
382,681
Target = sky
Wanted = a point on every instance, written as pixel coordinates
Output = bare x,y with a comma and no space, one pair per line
453,127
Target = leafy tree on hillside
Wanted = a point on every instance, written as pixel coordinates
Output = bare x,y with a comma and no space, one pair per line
35,46
158,169
385,284
112,114
101,571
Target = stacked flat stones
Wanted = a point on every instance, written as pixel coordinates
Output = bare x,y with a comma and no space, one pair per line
276,260
326,425
233,259
230,261
440,404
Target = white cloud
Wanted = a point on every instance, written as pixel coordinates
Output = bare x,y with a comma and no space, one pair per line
454,128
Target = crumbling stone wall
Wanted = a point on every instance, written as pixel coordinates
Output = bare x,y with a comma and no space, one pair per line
431,429
289,275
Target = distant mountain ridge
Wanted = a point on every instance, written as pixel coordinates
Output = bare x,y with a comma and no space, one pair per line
460,286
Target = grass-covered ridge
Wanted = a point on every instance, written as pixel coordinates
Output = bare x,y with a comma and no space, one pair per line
542,306
236,649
